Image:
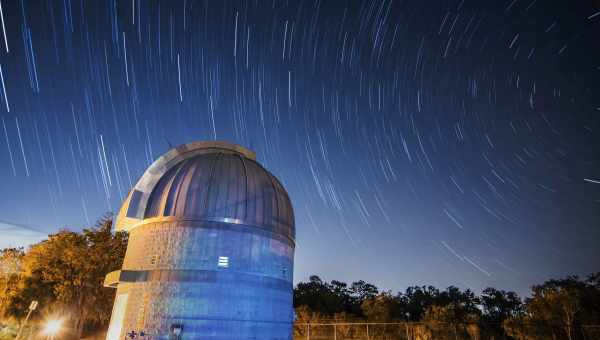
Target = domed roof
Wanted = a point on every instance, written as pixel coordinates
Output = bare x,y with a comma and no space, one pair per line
211,182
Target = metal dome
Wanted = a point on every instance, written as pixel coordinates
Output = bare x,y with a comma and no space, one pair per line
210,182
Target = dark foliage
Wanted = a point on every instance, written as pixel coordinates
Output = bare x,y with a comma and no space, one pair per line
556,307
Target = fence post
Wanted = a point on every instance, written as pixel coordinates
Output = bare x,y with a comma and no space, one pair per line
368,338
334,332
308,331
406,326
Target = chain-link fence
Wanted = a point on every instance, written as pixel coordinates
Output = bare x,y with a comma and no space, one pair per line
436,331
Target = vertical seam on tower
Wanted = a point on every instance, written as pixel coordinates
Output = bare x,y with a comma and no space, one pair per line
192,173
210,180
276,196
167,190
245,197
163,200
179,188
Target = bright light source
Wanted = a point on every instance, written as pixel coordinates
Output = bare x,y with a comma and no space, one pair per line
53,327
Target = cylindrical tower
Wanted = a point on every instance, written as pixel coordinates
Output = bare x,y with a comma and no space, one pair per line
211,249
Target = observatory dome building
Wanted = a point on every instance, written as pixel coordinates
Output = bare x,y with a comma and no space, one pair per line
211,249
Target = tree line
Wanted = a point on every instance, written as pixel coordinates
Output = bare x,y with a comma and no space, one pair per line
556,309
65,274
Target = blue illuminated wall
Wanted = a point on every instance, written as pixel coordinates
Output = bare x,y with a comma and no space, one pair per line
224,281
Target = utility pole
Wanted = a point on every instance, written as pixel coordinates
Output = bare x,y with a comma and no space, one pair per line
32,306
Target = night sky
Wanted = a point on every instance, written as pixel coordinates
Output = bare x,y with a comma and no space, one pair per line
421,142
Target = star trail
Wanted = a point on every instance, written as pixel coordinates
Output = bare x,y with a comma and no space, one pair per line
445,142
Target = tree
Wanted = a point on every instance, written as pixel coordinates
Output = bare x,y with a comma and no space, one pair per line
10,261
499,305
304,315
379,308
417,299
10,273
464,303
317,296
342,296
556,303
591,300
21,285
557,307
362,290
65,273
447,314
441,321
335,297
